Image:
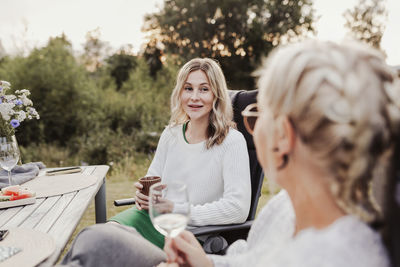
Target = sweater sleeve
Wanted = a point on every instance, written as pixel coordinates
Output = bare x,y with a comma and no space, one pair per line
158,162
234,205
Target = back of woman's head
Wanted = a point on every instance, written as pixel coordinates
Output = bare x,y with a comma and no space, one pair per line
343,102
221,114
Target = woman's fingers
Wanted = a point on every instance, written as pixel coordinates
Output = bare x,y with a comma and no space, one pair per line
140,204
186,251
184,246
172,254
164,264
190,250
190,238
138,185
142,200
142,196
170,250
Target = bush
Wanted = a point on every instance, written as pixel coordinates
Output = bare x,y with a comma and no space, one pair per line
103,146
61,90
151,97
50,154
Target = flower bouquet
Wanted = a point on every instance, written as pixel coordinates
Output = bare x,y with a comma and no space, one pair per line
14,109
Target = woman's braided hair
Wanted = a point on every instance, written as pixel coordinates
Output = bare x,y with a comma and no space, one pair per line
344,103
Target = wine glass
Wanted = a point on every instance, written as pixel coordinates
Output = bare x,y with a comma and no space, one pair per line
169,207
9,155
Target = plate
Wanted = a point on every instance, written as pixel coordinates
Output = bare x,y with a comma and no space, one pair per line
35,247
18,202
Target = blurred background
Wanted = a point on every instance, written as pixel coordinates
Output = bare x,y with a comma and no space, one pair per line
101,72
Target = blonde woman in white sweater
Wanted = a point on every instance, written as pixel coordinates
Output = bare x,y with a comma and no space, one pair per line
200,148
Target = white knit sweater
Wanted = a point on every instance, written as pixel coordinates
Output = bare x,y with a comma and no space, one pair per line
218,179
348,242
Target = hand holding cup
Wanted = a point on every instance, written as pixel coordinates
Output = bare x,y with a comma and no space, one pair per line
142,192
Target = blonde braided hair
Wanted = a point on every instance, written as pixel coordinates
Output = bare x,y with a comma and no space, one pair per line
343,101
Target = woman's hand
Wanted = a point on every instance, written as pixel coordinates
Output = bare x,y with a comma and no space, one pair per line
186,250
164,205
141,200
166,264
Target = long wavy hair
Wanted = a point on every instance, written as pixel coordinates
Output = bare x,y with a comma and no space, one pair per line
221,115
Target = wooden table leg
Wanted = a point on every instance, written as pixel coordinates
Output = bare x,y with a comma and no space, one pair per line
100,204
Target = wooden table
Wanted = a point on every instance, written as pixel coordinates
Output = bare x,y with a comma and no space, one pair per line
59,215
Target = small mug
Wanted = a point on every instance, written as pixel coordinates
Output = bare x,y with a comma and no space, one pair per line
147,181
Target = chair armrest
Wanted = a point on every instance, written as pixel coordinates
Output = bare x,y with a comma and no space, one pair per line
216,229
124,202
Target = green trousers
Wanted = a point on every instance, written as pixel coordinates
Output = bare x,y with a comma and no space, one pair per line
140,220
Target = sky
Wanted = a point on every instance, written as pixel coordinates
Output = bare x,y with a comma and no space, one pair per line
30,23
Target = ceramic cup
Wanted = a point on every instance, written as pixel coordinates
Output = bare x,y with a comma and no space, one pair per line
147,181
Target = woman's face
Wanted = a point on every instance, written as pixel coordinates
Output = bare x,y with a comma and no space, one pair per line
196,96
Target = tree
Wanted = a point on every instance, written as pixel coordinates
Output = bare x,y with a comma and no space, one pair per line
120,65
95,50
366,21
153,54
236,33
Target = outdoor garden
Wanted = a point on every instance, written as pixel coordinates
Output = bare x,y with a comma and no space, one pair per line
108,107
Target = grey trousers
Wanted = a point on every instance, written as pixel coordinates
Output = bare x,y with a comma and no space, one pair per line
112,244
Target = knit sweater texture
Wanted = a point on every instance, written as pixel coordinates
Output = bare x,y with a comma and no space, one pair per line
348,242
218,178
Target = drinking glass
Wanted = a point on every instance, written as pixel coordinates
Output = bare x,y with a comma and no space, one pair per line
169,207
9,154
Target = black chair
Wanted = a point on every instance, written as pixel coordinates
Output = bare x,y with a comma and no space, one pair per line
391,230
218,237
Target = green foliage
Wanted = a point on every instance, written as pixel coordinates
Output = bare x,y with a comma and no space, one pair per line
153,56
104,146
52,155
236,33
61,90
366,21
151,96
120,65
133,117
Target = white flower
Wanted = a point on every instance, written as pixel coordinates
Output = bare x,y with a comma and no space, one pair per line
5,84
21,115
26,101
34,113
10,98
16,107
23,91
6,110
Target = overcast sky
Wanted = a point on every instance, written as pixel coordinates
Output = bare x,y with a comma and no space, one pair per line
29,23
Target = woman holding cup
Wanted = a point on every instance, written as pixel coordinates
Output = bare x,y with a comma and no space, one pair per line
199,148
